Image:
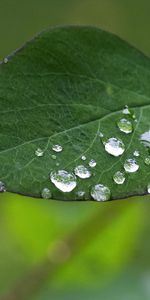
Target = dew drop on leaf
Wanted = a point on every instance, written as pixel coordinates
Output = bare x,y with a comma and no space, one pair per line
131,165
39,152
82,172
125,126
83,157
119,177
57,148
46,193
100,192
147,161
80,194
5,60
126,110
114,146
145,138
63,180
148,188
136,153
92,163
53,156
2,187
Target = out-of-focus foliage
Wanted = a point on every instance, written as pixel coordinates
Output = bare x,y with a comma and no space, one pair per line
116,265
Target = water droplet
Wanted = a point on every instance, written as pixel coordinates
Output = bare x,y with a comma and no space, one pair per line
148,188
114,146
147,161
125,126
80,194
92,163
100,192
39,152
2,187
57,148
46,193
57,164
131,165
145,138
63,180
82,172
136,153
126,110
119,177
83,157
53,156
5,60
101,134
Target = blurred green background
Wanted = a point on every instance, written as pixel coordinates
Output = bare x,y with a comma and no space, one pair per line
116,265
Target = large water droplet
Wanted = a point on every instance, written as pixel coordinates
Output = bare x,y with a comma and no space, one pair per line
2,187
147,161
114,146
100,192
126,110
63,180
83,157
125,126
148,188
57,148
119,177
136,153
92,163
39,152
145,138
131,165
46,193
82,172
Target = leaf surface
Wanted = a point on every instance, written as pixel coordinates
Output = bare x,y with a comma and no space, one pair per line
64,87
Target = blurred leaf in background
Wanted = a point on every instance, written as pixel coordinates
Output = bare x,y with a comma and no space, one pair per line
116,265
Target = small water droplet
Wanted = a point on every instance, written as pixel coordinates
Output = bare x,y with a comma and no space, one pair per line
126,110
131,165
63,180
119,177
46,193
53,156
114,146
80,194
125,126
136,153
148,188
39,152
100,192
2,187
5,60
100,134
83,157
57,164
57,148
145,138
92,163
147,161
82,172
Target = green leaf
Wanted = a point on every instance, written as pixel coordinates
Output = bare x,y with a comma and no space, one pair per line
63,87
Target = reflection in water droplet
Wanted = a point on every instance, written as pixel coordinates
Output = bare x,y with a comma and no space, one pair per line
63,180
145,138
126,110
39,152
100,192
2,187
80,194
136,153
57,148
147,161
114,146
148,188
46,193
125,126
82,172
83,157
92,163
119,177
131,165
